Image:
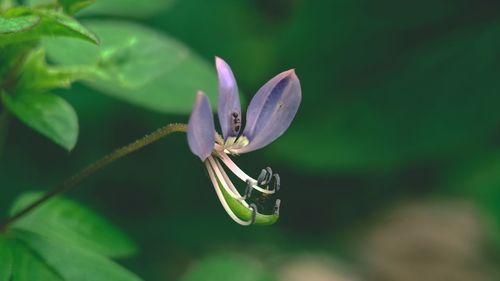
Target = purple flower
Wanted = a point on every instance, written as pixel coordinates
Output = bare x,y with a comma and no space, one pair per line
268,116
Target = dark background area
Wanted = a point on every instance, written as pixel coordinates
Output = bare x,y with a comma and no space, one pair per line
390,171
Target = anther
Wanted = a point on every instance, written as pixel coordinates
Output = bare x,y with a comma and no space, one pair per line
269,173
262,176
265,176
277,207
254,213
277,182
248,190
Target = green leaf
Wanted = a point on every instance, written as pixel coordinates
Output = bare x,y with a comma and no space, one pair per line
29,267
228,268
17,24
139,65
42,3
69,6
6,4
62,24
62,241
74,263
24,24
5,260
37,76
130,8
10,56
66,221
47,114
73,6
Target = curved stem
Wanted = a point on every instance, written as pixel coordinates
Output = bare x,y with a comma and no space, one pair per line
95,167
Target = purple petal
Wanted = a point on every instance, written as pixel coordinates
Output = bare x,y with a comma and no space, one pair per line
201,130
272,110
228,105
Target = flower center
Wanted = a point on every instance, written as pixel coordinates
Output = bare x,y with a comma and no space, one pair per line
234,143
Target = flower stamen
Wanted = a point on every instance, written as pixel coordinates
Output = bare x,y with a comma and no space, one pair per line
224,180
277,182
265,176
248,189
254,213
222,200
230,184
277,207
268,115
242,175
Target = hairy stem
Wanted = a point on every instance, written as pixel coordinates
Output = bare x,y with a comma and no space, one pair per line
95,167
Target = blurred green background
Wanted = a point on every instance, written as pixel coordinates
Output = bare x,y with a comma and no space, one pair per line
390,171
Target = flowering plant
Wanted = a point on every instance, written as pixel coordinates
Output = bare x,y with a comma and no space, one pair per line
269,114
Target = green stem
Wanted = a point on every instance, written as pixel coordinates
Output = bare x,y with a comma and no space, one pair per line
95,167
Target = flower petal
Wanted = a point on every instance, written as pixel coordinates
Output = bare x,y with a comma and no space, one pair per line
228,105
201,130
272,110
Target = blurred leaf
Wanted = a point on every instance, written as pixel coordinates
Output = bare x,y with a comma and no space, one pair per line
6,4
24,24
129,8
11,56
479,180
385,113
37,76
46,113
228,268
69,6
68,222
73,6
61,24
17,24
29,267
62,240
74,263
5,260
241,33
42,3
139,65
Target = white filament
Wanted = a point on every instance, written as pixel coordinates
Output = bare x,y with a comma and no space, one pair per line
221,196
240,174
225,182
230,184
